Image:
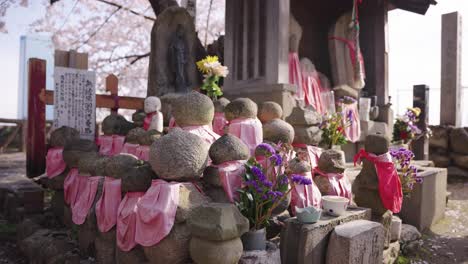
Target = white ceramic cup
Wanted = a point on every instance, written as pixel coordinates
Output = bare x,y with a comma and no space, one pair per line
334,205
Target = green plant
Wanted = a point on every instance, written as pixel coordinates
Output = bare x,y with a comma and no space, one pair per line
333,131
212,70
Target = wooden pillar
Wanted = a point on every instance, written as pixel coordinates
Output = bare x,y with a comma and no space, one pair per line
450,90
421,99
374,46
36,147
112,86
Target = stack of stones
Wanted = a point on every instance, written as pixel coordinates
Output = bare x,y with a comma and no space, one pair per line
330,161
179,156
449,149
306,126
58,139
366,185
274,129
216,229
227,148
219,121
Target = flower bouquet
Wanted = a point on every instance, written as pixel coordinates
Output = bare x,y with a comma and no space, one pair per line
264,191
404,129
407,172
212,71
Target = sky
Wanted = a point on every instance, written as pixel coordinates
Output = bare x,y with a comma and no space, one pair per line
414,54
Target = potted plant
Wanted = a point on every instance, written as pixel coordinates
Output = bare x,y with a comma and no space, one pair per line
407,172
261,194
212,71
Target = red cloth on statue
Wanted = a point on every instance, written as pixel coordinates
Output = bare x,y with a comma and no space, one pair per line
312,91
159,121
126,221
249,130
85,199
54,162
111,145
205,132
143,152
156,212
390,190
230,175
339,184
313,153
295,74
219,122
71,186
353,131
108,204
130,148
172,123
305,195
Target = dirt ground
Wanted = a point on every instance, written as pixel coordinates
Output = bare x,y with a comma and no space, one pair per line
446,242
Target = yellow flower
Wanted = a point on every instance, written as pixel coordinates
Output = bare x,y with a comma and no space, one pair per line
209,60
415,110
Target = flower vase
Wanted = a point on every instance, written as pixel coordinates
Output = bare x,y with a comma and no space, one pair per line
338,149
254,240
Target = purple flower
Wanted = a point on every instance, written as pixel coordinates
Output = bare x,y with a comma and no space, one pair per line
298,179
267,183
277,159
267,147
258,173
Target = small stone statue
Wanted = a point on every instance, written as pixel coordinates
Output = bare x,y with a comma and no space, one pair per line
178,53
154,118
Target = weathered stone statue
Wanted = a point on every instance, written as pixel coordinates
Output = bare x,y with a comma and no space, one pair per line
366,185
178,53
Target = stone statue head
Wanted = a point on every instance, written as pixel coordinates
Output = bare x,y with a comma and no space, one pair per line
152,104
377,144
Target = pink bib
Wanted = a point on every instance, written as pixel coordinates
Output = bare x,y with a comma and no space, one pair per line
305,195
130,148
312,91
71,186
54,162
390,190
249,130
156,212
230,175
126,221
295,74
85,199
108,204
143,152
339,184
111,145
353,131
219,122
205,132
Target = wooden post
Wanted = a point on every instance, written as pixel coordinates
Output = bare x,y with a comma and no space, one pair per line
36,147
421,99
112,86
450,90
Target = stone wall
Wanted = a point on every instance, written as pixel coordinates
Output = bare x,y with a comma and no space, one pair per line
448,148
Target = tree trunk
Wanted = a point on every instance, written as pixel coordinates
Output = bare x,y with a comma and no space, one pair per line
159,5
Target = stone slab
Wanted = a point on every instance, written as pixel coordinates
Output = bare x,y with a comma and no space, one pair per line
427,202
307,243
359,241
269,256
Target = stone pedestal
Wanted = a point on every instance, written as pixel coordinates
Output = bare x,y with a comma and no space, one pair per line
427,203
283,94
307,243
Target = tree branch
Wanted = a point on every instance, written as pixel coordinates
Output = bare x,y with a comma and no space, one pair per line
159,5
128,9
99,28
134,58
